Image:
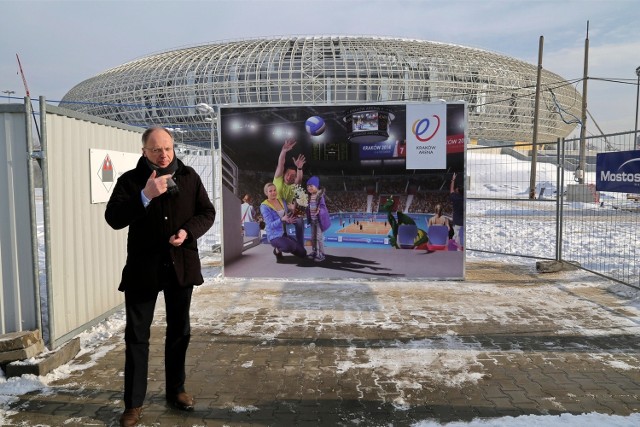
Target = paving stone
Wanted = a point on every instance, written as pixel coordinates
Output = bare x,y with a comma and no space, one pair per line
260,355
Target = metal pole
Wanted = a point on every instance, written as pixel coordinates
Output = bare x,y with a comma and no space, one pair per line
218,175
583,127
32,207
46,209
635,133
534,151
559,198
217,191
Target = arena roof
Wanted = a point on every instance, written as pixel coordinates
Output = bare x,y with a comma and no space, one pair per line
164,88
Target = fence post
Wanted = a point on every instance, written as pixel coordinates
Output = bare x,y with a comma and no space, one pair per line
31,156
46,219
560,197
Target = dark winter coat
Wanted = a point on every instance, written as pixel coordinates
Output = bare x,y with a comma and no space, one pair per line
150,228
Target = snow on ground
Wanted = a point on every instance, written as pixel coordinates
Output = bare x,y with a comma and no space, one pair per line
564,420
593,234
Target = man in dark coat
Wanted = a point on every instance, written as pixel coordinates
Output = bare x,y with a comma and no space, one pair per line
166,208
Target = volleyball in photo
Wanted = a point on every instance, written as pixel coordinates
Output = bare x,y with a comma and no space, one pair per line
315,125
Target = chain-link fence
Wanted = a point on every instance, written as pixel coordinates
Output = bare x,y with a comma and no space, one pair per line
202,160
554,213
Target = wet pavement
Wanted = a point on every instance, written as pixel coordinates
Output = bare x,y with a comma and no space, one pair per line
507,341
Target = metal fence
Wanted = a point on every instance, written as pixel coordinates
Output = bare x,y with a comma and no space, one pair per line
19,294
205,161
566,220
599,232
64,279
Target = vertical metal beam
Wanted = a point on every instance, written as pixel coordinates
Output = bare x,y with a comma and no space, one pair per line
635,133
534,140
32,210
583,126
559,197
46,219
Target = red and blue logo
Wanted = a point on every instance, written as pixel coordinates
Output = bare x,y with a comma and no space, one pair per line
425,129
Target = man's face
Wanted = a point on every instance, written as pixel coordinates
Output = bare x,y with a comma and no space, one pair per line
159,148
289,176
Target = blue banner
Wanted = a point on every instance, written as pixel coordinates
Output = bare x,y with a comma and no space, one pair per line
618,172
379,150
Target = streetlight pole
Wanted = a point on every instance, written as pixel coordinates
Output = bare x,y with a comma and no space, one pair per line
635,133
11,92
217,181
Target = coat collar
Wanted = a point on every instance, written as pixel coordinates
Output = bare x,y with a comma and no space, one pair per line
268,203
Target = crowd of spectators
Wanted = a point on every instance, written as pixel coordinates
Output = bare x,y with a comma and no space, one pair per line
427,201
346,201
350,195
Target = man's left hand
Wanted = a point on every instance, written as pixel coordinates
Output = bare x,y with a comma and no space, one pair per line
178,238
299,161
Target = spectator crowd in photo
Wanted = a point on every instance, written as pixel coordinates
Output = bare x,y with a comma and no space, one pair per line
350,194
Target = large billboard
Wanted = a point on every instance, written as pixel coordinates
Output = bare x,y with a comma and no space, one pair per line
385,209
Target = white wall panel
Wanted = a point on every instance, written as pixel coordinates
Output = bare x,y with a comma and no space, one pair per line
18,305
87,256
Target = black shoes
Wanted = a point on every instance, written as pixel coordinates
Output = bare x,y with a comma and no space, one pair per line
278,254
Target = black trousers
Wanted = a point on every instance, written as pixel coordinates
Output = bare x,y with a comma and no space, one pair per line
140,306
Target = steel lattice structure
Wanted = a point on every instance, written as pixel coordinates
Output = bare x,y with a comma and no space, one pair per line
163,88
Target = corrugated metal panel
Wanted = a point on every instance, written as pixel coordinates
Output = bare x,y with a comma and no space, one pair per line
18,305
86,255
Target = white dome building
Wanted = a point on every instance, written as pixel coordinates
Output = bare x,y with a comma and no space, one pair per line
164,88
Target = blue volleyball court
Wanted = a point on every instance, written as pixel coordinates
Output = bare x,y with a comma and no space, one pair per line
359,230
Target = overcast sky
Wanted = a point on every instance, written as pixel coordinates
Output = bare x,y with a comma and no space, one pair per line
61,43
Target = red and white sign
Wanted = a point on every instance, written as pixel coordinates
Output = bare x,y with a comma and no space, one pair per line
106,167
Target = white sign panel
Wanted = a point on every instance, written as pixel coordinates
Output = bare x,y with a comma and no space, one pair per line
106,166
426,136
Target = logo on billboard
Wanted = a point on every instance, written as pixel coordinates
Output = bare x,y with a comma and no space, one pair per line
426,126
618,172
423,130
637,159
